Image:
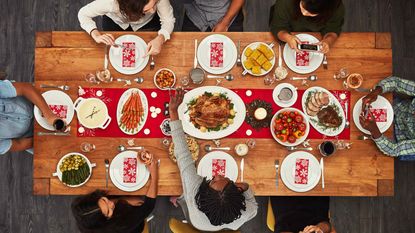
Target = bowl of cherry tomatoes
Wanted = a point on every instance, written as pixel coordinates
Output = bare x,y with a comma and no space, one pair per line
289,127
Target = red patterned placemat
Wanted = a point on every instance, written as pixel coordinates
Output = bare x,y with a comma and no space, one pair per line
110,96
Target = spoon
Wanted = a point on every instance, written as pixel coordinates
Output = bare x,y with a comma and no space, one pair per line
139,80
299,148
228,77
122,148
311,78
209,148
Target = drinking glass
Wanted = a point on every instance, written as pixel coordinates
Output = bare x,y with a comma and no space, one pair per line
269,80
251,143
327,148
341,74
59,125
87,147
92,78
353,81
184,81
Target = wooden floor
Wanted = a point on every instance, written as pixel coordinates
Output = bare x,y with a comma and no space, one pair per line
21,212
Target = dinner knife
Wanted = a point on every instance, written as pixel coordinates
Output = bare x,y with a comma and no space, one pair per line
242,169
53,134
277,166
322,172
106,58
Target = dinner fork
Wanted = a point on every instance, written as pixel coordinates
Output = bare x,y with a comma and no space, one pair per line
238,61
277,167
152,63
325,63
107,165
62,87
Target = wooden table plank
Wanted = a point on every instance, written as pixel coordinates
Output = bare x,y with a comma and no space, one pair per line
383,40
362,171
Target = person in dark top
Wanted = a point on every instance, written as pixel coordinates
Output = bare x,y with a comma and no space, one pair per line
99,213
301,214
324,16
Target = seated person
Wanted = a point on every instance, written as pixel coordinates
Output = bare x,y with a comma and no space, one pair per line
99,213
214,15
301,214
16,115
209,205
324,16
129,15
404,118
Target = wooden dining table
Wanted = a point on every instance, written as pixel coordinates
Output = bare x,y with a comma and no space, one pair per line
65,57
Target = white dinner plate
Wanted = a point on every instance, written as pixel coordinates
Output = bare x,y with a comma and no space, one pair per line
314,120
115,55
124,97
204,167
230,54
316,58
116,172
55,97
381,102
238,106
288,171
277,90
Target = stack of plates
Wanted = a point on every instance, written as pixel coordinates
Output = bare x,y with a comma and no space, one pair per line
288,171
115,55
116,172
204,167
230,54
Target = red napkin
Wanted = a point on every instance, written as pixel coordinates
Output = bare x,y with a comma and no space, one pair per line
128,54
218,167
301,171
216,54
380,114
130,170
302,58
59,110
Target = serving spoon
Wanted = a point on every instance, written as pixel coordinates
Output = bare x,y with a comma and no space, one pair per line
311,78
228,77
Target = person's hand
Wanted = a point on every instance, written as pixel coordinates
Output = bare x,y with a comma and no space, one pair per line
220,27
107,39
153,167
371,97
312,229
325,48
154,46
368,124
50,117
175,101
293,41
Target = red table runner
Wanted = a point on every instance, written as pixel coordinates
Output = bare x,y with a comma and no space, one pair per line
110,96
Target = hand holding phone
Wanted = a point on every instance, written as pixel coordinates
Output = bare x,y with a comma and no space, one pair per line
309,47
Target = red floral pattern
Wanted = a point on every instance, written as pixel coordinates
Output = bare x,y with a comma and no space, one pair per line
218,167
301,171
380,114
128,54
130,170
216,54
302,58
59,110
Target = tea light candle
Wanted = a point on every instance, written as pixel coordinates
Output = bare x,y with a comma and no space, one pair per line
260,113
241,149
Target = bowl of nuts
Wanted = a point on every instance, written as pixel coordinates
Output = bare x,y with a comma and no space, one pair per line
164,79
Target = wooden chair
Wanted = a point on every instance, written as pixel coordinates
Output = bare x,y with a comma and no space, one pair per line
271,219
177,226
146,229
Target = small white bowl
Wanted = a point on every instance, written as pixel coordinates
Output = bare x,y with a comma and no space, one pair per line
155,76
282,103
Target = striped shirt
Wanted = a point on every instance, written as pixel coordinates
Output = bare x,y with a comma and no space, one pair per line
404,119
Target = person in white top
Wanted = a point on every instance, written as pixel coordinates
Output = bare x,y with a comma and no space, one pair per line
129,15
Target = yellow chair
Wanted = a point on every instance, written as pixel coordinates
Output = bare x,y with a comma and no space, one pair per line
177,226
146,227
271,219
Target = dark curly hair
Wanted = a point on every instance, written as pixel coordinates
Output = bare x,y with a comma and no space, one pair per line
323,8
132,9
221,207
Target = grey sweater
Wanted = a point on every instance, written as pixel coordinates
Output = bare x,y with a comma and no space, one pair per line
191,182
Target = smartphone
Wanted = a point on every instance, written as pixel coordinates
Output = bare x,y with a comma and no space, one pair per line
309,47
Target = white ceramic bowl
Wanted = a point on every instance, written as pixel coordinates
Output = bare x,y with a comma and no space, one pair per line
298,141
155,76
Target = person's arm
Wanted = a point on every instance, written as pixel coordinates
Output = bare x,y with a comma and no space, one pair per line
332,29
396,84
322,227
233,10
29,92
21,144
395,149
153,188
188,173
251,204
90,11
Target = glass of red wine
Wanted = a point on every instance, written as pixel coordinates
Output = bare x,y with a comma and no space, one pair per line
327,148
59,125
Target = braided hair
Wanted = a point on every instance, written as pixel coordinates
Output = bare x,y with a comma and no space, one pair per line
221,207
